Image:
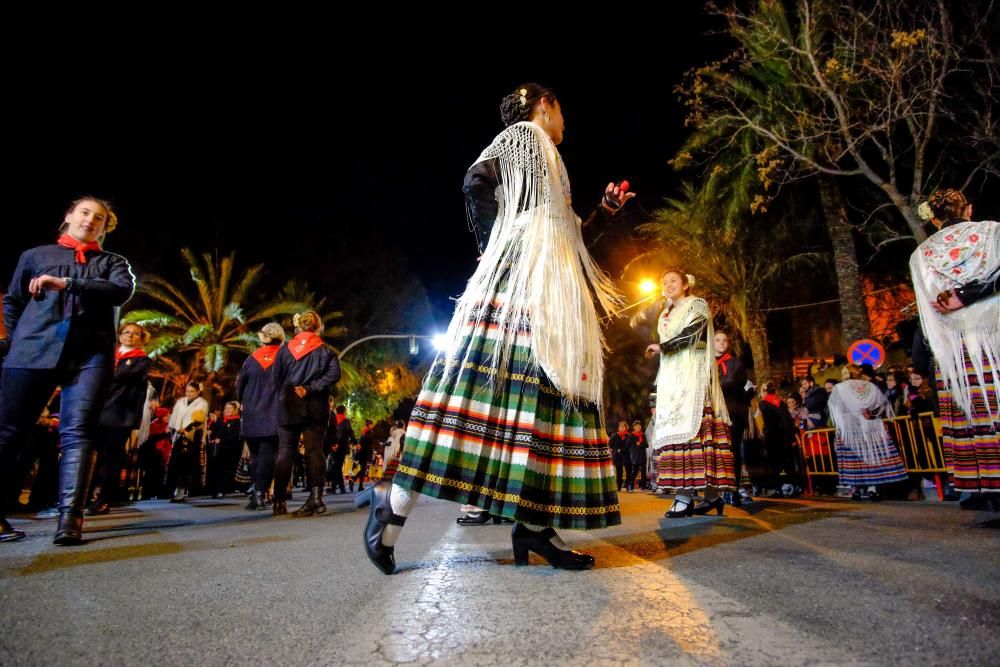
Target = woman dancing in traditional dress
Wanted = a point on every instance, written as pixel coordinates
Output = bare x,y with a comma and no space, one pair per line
690,425
955,275
508,419
866,455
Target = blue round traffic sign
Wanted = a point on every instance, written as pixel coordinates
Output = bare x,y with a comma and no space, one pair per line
866,351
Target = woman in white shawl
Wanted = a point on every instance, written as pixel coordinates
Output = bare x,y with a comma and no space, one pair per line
690,425
866,455
508,419
187,432
955,274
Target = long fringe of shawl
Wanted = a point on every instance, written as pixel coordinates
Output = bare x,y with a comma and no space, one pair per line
536,251
866,437
954,256
703,365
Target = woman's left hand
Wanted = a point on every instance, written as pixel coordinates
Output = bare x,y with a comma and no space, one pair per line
615,196
46,282
946,302
300,391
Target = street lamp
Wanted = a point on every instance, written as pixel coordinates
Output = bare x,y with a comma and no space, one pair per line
647,286
412,338
440,342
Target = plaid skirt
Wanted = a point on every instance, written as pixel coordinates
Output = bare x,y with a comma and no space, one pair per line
507,441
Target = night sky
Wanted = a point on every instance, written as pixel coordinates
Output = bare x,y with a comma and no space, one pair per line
309,156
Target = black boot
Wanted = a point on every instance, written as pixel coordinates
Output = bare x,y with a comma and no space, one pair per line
278,506
525,540
314,505
377,495
75,468
254,502
8,533
258,501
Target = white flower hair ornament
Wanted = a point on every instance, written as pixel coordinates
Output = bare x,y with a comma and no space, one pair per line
690,279
925,212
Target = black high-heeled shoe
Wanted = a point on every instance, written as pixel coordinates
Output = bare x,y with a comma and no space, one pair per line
525,541
377,495
679,512
704,508
9,533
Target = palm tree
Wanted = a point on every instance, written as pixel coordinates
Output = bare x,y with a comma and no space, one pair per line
198,333
296,296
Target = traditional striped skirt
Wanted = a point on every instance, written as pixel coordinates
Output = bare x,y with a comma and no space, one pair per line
506,441
855,471
972,445
704,461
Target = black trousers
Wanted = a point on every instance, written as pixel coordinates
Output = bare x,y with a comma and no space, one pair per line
110,459
185,462
222,468
632,468
620,472
263,454
288,444
335,471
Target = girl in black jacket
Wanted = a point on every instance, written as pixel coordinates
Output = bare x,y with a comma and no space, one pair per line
122,412
59,311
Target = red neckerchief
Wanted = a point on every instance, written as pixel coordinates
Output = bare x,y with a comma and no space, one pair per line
340,418
303,343
80,247
623,433
638,437
265,355
773,399
230,418
131,354
721,362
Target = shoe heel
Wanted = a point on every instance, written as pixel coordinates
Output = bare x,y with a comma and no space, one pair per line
365,499
497,520
521,554
719,506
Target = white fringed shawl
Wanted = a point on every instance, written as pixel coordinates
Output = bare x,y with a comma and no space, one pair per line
536,252
686,377
954,256
866,437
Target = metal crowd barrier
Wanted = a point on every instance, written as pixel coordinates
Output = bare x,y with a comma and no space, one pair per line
918,441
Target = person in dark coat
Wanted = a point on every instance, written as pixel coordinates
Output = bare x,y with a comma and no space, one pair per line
122,413
59,312
618,444
225,446
304,372
342,441
733,378
256,390
636,456
365,451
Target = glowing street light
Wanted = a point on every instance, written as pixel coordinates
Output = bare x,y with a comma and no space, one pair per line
647,286
440,342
